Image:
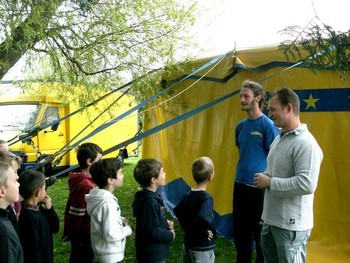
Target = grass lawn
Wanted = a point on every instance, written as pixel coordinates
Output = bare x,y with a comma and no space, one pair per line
224,250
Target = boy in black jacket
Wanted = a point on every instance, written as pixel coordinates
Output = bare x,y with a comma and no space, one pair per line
153,231
38,219
195,215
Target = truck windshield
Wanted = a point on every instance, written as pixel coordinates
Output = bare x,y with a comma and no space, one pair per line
18,117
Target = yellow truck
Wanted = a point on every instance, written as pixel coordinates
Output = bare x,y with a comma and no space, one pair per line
36,127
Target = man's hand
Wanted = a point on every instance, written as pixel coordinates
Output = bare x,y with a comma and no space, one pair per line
262,180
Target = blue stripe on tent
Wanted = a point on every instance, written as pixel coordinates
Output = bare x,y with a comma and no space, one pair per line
235,71
321,100
237,67
172,194
317,100
267,66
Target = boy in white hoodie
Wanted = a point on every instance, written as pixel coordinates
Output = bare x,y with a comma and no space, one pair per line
108,229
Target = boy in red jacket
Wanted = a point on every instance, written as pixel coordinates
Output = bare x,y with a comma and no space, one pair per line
76,219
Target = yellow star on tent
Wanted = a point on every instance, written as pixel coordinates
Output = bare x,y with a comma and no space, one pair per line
311,102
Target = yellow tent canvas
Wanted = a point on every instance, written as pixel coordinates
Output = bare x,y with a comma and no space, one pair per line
325,108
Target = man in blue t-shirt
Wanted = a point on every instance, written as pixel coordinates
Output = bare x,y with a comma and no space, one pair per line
253,135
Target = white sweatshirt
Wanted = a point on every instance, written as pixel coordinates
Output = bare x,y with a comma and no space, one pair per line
293,162
108,235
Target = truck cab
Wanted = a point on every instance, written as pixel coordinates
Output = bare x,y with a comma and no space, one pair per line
31,126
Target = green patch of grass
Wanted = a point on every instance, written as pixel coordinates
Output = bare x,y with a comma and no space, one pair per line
224,250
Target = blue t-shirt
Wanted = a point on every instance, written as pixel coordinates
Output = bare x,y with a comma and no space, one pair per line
253,139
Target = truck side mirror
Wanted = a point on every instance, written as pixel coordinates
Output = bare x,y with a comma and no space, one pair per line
54,126
31,133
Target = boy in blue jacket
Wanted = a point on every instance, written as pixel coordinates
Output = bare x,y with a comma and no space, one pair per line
153,231
195,215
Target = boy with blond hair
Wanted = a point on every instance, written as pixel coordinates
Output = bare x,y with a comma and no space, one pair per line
15,208
10,246
195,215
4,145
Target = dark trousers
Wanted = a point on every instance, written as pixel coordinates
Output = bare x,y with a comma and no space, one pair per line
81,250
247,209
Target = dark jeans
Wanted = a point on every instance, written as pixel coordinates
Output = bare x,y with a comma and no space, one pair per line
247,209
81,250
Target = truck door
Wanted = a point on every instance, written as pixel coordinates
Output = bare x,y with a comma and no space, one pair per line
50,141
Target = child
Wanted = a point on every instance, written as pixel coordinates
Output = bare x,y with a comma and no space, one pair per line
15,208
195,214
153,231
76,220
37,222
10,246
108,229
4,146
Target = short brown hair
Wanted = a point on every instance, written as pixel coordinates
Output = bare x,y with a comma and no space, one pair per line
86,151
145,170
103,169
285,96
29,182
202,168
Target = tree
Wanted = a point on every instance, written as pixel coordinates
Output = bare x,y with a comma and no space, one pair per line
318,46
92,43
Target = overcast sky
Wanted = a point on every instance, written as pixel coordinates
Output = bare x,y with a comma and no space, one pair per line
250,23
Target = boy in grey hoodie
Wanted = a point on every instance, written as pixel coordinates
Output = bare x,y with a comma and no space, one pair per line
108,228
